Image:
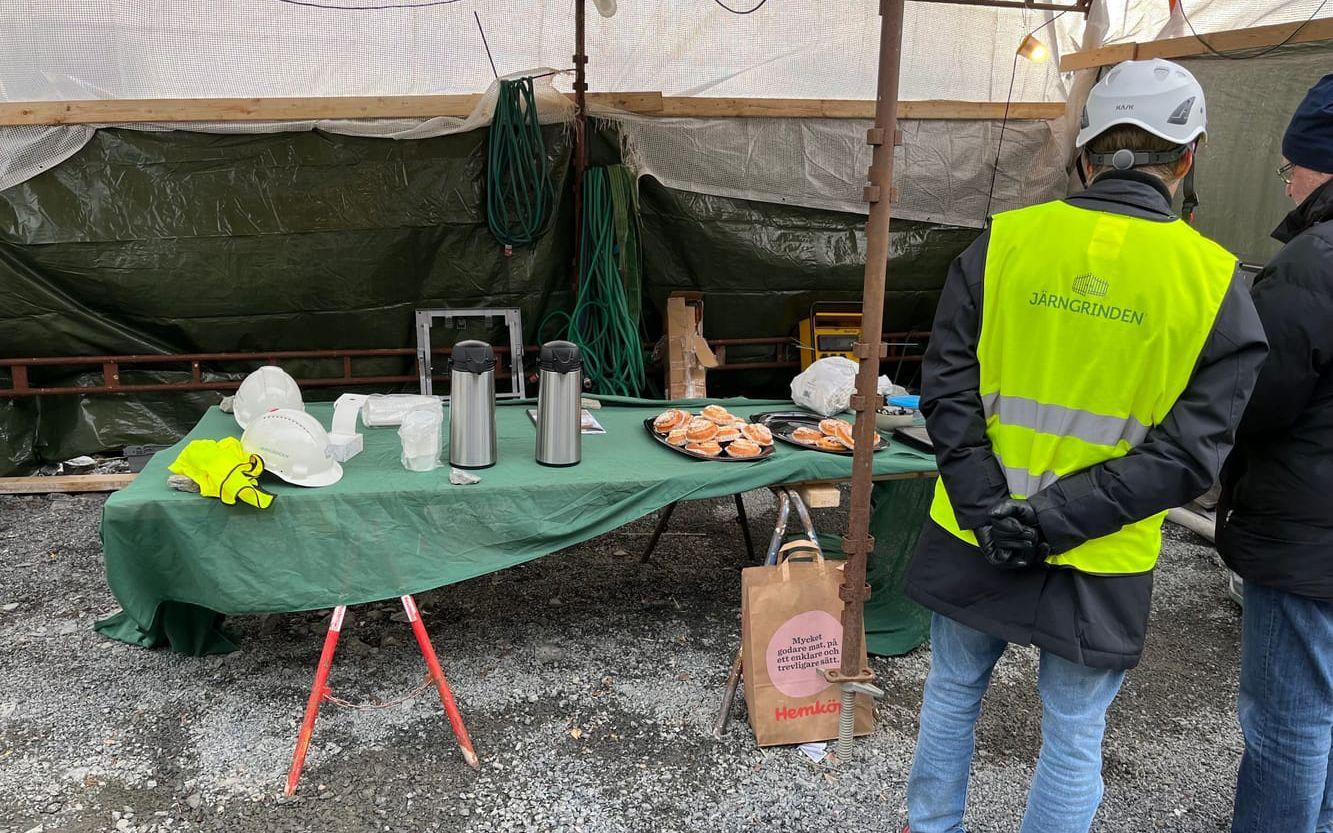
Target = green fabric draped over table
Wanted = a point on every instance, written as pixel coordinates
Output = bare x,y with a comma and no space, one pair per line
178,562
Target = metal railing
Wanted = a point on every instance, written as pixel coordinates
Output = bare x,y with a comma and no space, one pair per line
115,368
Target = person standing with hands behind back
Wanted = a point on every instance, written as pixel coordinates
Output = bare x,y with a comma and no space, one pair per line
1089,361
1275,519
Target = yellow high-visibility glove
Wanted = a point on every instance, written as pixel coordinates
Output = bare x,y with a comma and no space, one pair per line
224,470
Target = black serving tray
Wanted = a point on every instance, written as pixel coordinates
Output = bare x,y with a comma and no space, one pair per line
783,423
765,451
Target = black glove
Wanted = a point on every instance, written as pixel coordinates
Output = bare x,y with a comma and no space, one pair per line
1015,537
986,543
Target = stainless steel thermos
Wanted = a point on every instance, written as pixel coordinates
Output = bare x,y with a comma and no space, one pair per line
472,405
559,428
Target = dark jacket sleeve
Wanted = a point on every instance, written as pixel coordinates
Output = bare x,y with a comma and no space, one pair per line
950,376
1293,300
1180,458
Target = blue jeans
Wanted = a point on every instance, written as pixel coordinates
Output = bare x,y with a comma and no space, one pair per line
1286,714
1067,787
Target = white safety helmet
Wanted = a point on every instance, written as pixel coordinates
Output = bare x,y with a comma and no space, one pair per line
267,388
294,446
1161,97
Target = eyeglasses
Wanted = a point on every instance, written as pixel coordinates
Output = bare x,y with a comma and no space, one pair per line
1284,172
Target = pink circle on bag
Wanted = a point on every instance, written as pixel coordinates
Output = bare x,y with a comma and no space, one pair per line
806,644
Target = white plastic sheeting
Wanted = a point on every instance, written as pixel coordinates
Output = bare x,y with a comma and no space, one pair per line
119,49
55,49
1135,20
943,171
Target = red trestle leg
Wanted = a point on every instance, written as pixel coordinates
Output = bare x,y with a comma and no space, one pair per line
437,677
318,692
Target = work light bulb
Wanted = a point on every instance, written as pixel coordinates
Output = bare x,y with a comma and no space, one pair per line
1034,50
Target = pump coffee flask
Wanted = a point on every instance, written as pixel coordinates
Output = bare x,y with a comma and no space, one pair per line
472,405
559,423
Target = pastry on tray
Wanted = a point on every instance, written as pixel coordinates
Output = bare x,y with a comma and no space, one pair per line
809,436
701,430
677,437
830,444
727,433
757,433
743,448
669,420
707,449
837,428
717,414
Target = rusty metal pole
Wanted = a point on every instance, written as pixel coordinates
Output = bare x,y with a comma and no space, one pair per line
580,133
869,349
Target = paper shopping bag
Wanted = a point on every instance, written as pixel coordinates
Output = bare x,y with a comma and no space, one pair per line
791,631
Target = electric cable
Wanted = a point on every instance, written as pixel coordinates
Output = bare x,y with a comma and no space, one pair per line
484,43
519,193
605,320
1232,56
421,5
752,10
1004,121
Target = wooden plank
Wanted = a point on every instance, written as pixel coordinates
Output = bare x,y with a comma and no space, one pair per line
1238,39
113,111
826,108
645,103
64,483
123,111
965,110
1105,56
1232,40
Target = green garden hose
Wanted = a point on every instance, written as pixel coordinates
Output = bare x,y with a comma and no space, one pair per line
605,320
519,194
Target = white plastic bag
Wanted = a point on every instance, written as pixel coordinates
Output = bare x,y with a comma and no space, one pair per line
825,387
420,435
381,409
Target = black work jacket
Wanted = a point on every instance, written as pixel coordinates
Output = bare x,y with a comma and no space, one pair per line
1277,508
1098,621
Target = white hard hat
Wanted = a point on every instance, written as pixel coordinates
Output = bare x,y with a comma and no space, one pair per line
1161,97
294,446
267,388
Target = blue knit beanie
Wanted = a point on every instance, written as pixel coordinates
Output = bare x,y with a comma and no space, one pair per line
1309,138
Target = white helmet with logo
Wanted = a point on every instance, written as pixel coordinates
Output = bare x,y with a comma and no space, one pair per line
1159,96
267,388
294,446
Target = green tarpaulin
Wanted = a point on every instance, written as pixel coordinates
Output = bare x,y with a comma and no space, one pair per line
177,561
186,242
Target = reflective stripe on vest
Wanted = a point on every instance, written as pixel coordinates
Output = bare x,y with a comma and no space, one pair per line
1092,324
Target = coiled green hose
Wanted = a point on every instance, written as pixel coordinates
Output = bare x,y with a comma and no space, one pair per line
519,193
605,320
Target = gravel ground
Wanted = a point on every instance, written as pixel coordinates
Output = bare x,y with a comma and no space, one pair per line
588,683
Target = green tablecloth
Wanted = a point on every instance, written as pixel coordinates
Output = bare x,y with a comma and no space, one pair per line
178,562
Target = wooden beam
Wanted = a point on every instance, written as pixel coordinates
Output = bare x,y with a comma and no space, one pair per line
118,111
830,108
64,483
122,111
1232,40
965,110
1103,57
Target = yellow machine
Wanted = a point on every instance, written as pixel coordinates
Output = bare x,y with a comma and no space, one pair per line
830,330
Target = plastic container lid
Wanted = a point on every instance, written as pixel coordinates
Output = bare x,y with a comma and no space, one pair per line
472,357
905,401
560,357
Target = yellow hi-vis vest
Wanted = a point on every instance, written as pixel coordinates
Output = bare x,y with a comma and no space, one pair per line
1091,326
